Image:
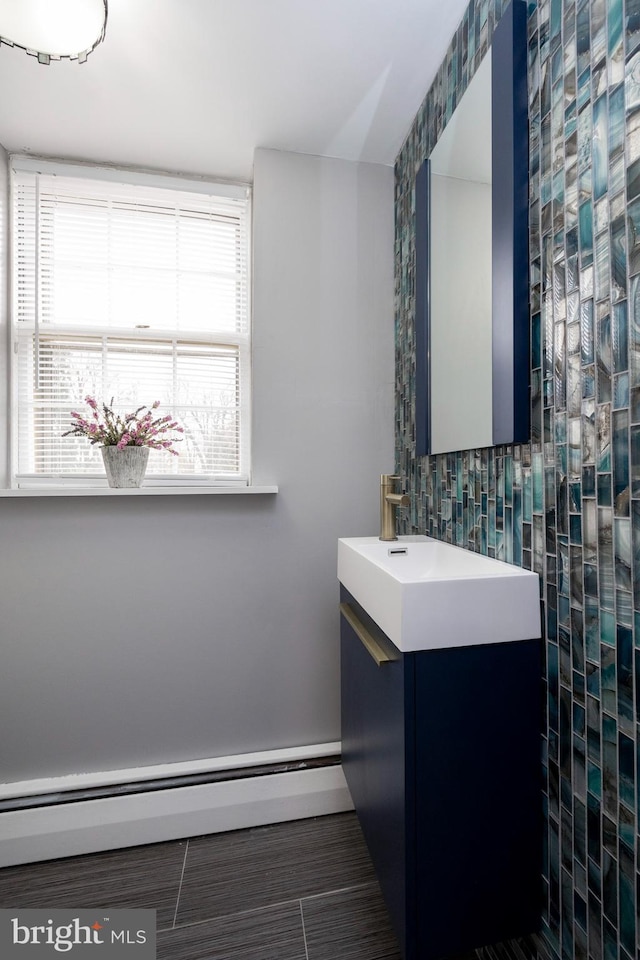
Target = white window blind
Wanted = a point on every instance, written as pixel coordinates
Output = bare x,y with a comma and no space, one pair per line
133,291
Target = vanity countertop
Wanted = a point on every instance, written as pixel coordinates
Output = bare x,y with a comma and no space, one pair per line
427,594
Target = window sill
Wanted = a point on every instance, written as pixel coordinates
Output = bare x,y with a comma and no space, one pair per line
159,491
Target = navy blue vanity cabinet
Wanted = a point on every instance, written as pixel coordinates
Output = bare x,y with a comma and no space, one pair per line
441,752
377,746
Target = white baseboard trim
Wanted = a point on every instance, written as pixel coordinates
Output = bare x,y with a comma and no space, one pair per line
88,826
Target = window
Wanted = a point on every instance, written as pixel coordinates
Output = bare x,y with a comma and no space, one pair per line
134,287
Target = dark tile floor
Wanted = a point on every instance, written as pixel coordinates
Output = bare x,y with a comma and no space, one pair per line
304,890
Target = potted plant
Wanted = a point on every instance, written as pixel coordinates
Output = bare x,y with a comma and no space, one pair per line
125,439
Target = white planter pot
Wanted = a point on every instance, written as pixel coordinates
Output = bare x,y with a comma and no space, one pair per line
126,467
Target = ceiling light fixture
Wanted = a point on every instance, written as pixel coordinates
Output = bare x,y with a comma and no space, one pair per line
53,29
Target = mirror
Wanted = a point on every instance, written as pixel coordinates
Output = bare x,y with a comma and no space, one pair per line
472,305
460,219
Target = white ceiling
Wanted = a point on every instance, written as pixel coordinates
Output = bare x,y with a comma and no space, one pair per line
196,85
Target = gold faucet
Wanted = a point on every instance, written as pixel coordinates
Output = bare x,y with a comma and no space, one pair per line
388,502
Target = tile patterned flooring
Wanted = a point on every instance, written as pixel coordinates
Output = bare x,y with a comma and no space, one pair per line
304,890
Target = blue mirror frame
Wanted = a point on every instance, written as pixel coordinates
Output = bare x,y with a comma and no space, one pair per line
510,245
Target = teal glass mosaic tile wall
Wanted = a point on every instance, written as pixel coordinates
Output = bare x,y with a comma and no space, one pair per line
567,504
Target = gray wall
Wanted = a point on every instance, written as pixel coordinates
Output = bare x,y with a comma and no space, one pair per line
139,631
4,305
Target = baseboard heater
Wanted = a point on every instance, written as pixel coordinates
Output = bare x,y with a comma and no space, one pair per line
38,822
165,783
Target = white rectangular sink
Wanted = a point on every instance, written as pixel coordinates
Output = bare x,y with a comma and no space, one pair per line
426,594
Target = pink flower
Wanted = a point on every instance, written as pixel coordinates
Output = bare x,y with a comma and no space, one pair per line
121,430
